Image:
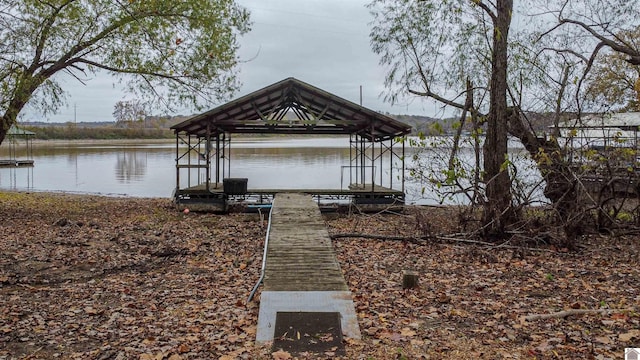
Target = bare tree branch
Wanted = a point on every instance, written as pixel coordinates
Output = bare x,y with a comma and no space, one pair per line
486,9
634,55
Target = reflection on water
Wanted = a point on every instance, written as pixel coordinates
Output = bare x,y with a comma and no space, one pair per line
131,166
16,178
110,169
148,170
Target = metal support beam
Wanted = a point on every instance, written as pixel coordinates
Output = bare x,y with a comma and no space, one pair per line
217,159
177,163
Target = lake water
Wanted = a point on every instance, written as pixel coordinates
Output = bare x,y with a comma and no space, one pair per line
147,169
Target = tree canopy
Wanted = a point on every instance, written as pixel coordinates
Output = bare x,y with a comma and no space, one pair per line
614,83
463,53
435,49
582,35
129,112
177,52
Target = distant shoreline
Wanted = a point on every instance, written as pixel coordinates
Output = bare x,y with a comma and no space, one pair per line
58,142
146,141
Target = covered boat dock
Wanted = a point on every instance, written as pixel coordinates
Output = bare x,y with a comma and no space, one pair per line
14,153
290,107
603,151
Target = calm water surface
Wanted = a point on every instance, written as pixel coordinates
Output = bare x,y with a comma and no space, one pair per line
148,169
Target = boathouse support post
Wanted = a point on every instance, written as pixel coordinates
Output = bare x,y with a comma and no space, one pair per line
358,159
177,163
217,159
350,160
228,157
391,164
373,158
403,157
224,151
207,154
362,161
189,160
381,165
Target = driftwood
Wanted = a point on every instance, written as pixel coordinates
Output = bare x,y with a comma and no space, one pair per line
565,313
423,240
378,237
411,239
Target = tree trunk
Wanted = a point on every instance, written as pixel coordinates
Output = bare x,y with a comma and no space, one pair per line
560,185
498,212
26,86
5,125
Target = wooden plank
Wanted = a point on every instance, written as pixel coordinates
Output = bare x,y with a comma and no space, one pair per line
300,256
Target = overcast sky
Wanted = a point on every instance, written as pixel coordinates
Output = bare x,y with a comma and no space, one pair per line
322,42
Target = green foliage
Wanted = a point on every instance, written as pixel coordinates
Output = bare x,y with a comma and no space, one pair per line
176,52
449,180
613,81
129,111
429,44
400,355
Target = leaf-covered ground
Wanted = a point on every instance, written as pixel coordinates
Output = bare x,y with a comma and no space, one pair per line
86,277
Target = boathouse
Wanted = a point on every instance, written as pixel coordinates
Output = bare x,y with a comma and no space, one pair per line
204,154
17,149
603,149
602,131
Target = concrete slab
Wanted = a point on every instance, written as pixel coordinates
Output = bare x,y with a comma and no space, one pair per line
272,302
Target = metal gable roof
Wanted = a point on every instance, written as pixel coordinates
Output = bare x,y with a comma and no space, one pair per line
317,112
16,131
625,121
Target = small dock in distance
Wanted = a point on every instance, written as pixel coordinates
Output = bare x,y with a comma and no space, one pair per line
16,163
302,274
14,155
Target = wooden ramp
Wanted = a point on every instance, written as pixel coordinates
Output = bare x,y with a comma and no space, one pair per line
302,273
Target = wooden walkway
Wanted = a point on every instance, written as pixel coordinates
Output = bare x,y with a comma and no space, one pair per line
300,255
302,273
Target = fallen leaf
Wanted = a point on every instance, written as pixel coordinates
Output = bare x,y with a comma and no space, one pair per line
91,311
158,356
407,332
626,337
281,355
604,339
183,348
444,299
